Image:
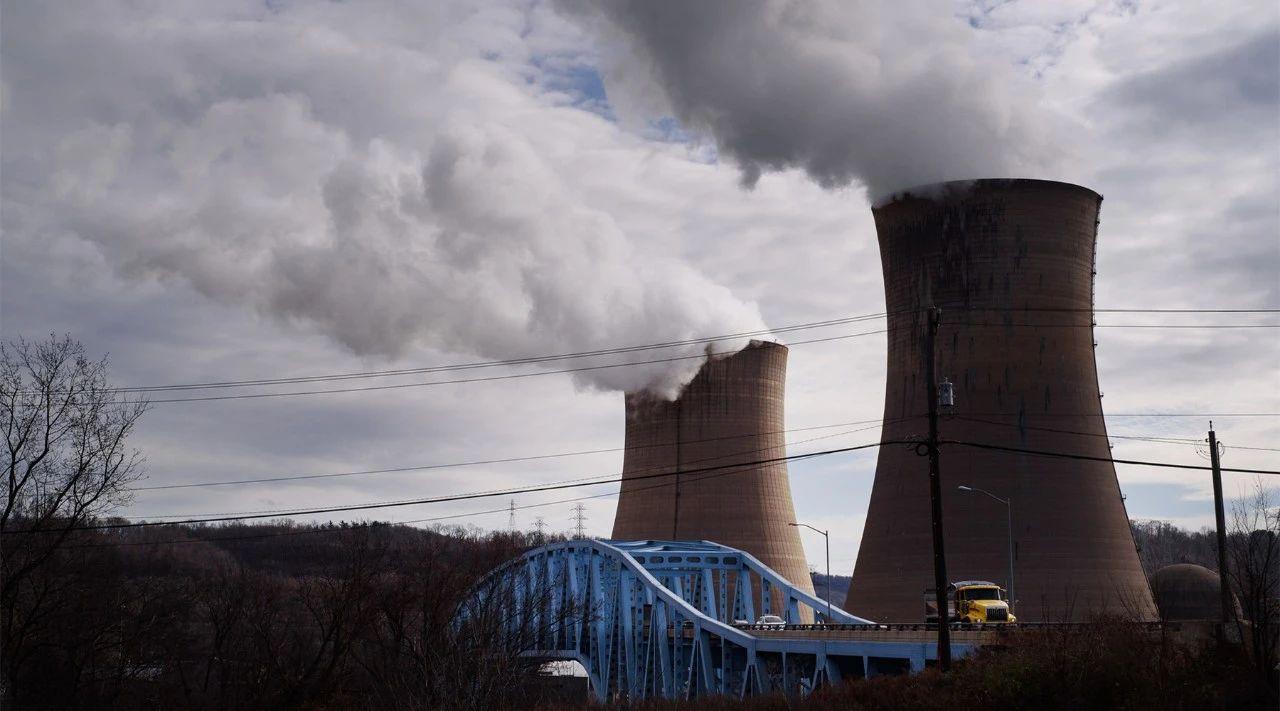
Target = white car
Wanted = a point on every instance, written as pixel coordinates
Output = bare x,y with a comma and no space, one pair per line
771,621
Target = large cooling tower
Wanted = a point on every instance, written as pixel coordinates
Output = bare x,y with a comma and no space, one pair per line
1010,264
730,413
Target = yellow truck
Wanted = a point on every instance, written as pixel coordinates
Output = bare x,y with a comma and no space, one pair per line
971,601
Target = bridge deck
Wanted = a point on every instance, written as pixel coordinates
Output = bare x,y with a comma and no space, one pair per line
656,619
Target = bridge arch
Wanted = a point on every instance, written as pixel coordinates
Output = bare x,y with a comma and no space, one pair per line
677,619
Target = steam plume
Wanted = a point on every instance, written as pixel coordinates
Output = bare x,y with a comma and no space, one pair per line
889,94
386,188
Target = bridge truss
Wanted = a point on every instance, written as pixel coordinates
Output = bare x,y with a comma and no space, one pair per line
674,619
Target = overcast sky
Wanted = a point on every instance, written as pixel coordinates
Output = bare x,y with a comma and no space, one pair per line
238,190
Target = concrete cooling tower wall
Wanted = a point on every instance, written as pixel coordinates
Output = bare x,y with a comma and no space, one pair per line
731,412
1010,263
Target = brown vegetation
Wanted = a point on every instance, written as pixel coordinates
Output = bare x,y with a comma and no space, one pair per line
366,615
1113,664
346,616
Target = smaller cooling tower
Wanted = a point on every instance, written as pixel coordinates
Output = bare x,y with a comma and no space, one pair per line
731,412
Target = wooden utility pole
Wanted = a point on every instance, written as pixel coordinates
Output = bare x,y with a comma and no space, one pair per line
935,495
1220,516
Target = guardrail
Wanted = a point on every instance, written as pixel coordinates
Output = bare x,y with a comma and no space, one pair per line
933,626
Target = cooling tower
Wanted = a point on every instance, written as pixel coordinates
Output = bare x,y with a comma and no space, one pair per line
730,413
1010,263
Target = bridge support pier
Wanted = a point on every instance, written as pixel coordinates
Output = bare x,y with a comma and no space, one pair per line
661,619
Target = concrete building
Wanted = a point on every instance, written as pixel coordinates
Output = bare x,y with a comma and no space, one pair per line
731,412
1184,591
1011,265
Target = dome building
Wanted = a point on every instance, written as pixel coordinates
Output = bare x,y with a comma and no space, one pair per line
1187,592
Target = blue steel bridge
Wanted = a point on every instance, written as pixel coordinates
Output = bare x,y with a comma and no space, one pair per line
673,619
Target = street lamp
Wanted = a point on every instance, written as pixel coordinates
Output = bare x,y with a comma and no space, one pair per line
1008,503
827,536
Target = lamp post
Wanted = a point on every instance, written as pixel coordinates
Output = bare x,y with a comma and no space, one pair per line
1008,503
826,535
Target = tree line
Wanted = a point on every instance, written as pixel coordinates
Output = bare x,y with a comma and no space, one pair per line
340,615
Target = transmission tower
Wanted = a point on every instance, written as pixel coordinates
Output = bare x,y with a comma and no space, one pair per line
511,515
580,520
539,524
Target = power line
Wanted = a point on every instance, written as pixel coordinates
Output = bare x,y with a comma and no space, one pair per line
478,462
460,497
552,487
537,457
1157,440
616,350
876,422
1113,325
495,363
1198,326
539,522
1128,414
1113,460
509,376
588,479
449,465
491,378
1121,311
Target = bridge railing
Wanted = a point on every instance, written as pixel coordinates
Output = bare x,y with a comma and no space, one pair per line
658,619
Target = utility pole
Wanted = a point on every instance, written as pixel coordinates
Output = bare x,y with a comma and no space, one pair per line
580,518
935,495
1223,586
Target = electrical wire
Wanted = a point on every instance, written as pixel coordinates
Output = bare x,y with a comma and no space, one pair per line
495,363
585,480
1121,311
1128,414
457,497
509,376
740,465
431,519
1109,325
671,344
479,462
1157,440
1112,460
557,455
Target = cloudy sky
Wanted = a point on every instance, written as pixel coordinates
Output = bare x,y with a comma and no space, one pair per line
257,190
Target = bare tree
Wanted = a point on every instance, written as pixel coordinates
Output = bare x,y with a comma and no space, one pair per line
1254,572
66,434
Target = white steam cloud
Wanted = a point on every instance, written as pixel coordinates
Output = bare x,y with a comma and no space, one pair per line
888,93
378,181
